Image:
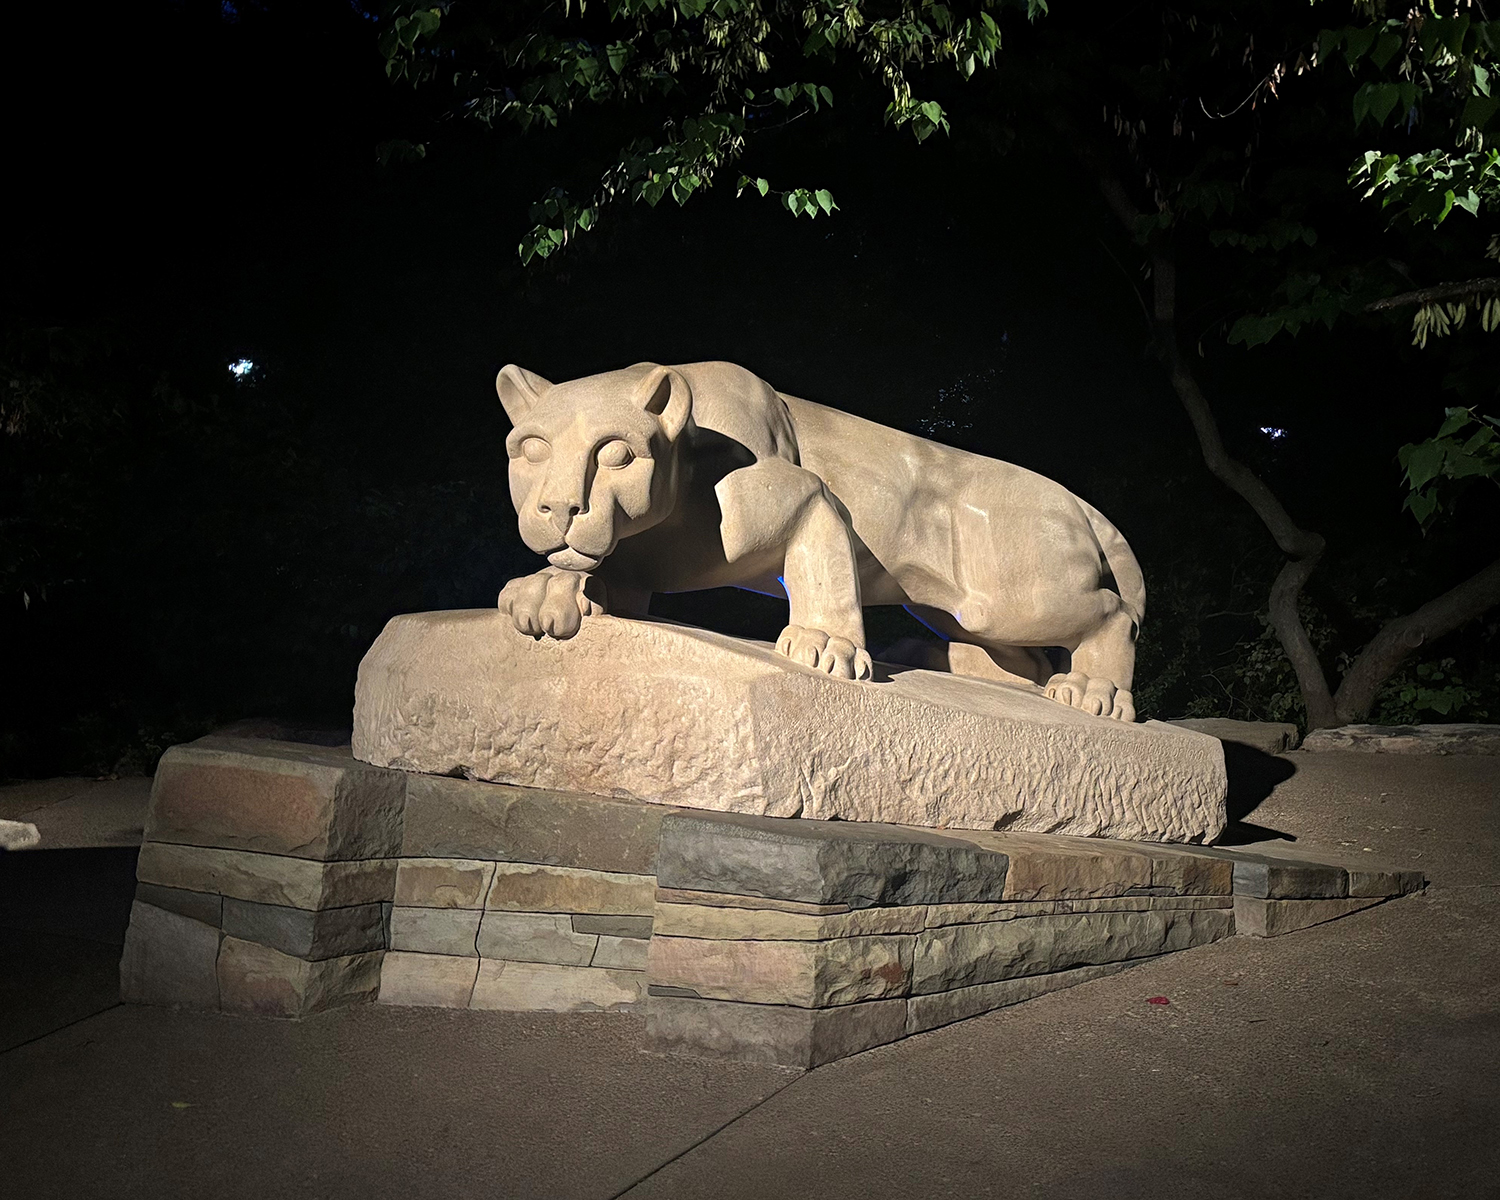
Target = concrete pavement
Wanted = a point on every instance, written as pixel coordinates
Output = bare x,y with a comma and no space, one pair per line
75,813
1353,1059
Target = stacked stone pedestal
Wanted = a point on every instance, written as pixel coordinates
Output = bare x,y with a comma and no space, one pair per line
265,880
282,879
516,898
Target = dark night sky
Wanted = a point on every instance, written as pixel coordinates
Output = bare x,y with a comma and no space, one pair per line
207,188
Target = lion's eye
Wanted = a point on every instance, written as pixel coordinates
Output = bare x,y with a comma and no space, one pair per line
615,454
535,449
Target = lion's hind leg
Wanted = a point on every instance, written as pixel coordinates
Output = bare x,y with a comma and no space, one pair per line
1102,667
1005,664
979,658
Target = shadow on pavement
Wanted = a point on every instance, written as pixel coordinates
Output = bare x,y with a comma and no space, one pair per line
63,915
1253,776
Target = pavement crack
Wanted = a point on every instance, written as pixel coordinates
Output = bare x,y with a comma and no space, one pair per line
709,1136
64,1028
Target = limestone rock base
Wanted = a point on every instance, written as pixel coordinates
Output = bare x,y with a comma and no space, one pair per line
682,716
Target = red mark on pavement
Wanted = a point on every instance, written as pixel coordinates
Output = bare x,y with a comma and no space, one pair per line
1158,1000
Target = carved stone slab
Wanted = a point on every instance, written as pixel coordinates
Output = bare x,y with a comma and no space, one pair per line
683,716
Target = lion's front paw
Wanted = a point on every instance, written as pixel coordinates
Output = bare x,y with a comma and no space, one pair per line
1093,695
550,603
834,656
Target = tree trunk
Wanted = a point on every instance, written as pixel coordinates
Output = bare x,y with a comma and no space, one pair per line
1304,550
1378,661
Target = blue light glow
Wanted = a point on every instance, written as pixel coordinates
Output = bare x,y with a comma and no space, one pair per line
241,368
1272,432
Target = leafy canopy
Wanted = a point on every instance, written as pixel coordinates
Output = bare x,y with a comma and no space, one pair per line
713,74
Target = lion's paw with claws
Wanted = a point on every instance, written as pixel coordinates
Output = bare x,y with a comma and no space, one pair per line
551,603
1091,694
834,656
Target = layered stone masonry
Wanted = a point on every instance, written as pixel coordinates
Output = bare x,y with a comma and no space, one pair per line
265,879
282,879
469,933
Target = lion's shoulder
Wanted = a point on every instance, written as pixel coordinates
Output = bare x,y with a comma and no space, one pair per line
737,403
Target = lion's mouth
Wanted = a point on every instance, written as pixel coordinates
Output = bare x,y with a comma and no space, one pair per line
569,559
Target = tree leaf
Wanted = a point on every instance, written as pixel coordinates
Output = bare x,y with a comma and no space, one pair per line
1385,48
1380,100
1357,43
1423,462
1423,506
1454,420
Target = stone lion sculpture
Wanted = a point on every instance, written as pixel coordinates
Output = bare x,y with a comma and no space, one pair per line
668,479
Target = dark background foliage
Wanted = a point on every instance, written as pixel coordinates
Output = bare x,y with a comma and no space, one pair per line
195,184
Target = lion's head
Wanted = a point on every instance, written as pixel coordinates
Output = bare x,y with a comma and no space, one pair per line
592,460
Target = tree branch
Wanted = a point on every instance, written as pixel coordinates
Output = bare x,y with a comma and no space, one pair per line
1441,291
1397,639
1303,549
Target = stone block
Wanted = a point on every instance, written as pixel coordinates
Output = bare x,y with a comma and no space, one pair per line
742,924
1146,904
448,931
443,882
1384,883
19,835
964,955
684,716
257,980
801,974
1064,868
730,900
771,925
1186,873
535,937
622,927
1288,879
768,1033
460,818
1269,737
958,1004
427,980
304,933
545,987
276,798
169,959
267,878
977,914
207,907
825,862
1272,918
1456,738
523,887
626,954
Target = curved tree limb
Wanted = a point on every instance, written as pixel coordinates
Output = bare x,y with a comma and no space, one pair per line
1397,639
1304,549
1441,291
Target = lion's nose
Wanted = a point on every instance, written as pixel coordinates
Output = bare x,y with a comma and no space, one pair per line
560,513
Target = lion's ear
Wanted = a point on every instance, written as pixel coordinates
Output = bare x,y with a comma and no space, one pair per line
519,390
666,393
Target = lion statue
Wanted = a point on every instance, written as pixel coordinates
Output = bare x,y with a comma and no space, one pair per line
669,479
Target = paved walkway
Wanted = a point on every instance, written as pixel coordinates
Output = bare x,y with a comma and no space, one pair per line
75,813
1355,1059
